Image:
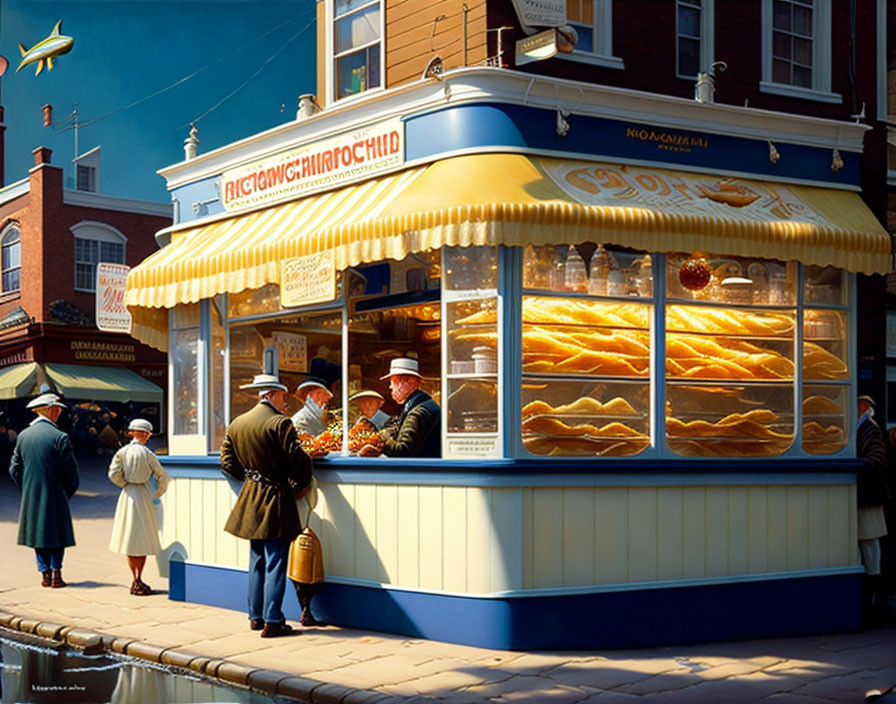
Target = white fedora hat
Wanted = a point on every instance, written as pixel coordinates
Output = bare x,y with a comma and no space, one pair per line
265,381
366,394
140,424
403,365
45,400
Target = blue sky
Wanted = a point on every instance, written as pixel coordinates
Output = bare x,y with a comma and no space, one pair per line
126,51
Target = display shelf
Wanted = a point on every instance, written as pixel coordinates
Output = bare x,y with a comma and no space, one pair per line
585,377
486,377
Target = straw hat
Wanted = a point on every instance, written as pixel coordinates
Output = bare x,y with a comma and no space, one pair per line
870,400
265,381
140,424
366,394
403,365
45,400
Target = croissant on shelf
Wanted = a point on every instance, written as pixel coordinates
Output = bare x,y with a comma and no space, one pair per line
821,440
737,434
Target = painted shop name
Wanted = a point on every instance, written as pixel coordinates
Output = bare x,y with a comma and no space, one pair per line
673,141
327,163
102,351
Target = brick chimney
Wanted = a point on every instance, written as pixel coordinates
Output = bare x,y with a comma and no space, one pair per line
45,227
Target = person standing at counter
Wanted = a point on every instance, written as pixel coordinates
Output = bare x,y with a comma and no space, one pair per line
310,419
370,403
872,494
416,432
262,450
44,468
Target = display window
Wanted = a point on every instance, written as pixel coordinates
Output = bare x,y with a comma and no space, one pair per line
724,357
586,350
184,359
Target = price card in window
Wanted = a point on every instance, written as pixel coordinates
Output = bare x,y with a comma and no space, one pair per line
306,280
462,447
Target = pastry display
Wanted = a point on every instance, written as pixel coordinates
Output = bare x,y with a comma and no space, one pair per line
736,435
820,405
727,321
818,363
823,440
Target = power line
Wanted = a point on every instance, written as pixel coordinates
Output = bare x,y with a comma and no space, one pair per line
186,78
232,93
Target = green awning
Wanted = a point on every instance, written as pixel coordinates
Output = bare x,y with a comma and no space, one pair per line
18,380
77,381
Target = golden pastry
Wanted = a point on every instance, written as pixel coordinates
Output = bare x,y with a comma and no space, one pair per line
814,405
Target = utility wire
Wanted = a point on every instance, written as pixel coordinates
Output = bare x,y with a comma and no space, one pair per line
232,93
186,78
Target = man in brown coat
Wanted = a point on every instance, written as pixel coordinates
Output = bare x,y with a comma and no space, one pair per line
261,449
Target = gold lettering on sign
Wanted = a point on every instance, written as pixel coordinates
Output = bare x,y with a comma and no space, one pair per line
670,141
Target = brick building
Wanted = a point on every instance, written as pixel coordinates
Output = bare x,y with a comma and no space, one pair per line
52,239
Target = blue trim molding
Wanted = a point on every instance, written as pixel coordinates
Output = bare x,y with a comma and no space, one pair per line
622,619
501,126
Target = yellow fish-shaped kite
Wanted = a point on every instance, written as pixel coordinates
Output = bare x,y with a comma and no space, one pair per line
46,50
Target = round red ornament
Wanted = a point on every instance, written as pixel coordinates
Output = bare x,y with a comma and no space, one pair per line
695,273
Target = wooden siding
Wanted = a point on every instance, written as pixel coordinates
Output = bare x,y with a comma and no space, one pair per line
413,35
486,540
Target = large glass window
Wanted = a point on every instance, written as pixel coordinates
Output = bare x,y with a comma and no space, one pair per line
356,46
183,346
586,350
11,253
217,379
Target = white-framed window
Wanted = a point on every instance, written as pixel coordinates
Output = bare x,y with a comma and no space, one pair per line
94,243
356,44
694,37
796,49
86,178
593,22
11,256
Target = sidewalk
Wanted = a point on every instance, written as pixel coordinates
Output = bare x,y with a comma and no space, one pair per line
329,664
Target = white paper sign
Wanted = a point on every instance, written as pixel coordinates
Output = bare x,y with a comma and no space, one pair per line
306,280
292,351
111,314
541,13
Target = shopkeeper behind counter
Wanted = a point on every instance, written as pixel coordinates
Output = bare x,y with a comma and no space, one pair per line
370,405
417,430
310,420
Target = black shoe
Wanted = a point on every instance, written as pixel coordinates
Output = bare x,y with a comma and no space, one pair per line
274,630
256,624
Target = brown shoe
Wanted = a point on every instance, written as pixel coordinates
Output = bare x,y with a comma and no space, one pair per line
274,630
309,620
56,582
256,624
46,578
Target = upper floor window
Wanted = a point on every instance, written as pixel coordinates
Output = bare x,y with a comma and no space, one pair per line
86,178
95,243
593,22
694,37
357,32
796,60
11,255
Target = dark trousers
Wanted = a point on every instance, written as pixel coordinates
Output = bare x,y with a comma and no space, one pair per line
49,558
267,579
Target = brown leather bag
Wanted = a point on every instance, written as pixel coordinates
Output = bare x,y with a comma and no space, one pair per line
306,557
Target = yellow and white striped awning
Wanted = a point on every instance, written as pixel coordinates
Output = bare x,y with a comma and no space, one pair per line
509,199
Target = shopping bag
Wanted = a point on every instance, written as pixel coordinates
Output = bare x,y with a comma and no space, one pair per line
306,557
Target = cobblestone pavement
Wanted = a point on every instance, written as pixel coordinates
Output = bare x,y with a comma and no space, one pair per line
328,664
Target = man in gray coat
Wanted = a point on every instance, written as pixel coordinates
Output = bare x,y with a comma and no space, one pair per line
261,449
44,468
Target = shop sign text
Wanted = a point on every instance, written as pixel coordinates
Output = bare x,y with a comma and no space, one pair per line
292,351
306,280
541,13
89,351
669,141
349,157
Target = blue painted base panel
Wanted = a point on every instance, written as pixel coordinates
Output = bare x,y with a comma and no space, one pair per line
623,619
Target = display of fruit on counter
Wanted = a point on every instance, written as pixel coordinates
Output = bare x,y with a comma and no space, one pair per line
328,441
360,436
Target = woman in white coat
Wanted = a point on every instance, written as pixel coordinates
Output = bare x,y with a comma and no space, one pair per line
135,529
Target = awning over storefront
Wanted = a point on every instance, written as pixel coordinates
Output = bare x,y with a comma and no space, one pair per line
510,199
77,381
18,380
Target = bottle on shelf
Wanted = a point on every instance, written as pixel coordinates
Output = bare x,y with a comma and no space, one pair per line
600,266
536,267
576,277
644,281
558,266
